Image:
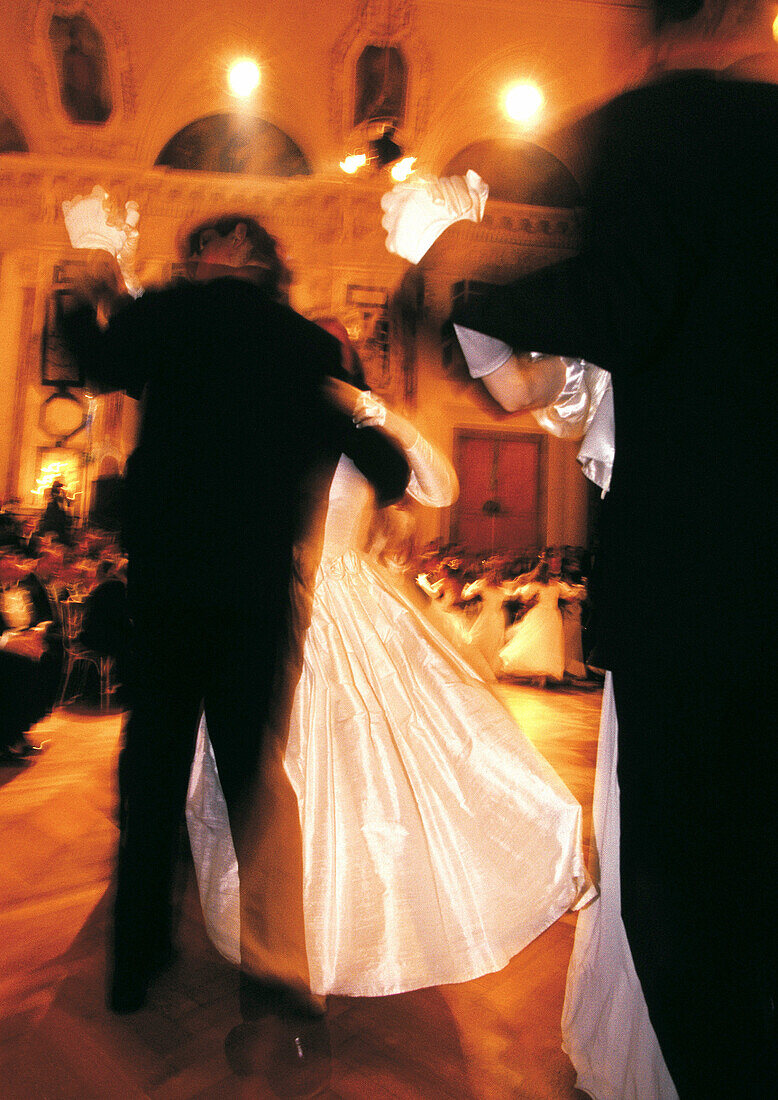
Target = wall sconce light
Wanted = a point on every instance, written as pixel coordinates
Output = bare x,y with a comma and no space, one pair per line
379,152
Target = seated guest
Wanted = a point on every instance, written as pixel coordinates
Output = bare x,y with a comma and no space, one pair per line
106,625
30,652
29,541
10,527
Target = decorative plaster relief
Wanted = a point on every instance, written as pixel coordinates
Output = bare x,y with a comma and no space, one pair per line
61,133
381,25
342,219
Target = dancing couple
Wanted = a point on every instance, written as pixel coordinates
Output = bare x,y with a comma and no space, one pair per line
365,816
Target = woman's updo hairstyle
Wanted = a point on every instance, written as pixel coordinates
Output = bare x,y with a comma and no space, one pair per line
680,11
273,275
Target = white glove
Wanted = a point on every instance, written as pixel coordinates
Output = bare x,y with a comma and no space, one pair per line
417,212
369,412
128,252
94,222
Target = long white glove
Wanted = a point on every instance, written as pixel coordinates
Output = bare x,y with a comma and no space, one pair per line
433,481
93,222
417,212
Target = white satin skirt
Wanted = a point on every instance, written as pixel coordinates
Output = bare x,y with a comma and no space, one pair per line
437,841
535,646
606,1031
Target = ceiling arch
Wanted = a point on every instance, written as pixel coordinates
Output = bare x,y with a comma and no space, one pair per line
229,141
518,171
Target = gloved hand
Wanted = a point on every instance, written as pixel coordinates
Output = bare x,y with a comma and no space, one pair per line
369,412
417,212
93,222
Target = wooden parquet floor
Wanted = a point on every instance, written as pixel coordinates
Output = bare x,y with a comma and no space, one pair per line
497,1038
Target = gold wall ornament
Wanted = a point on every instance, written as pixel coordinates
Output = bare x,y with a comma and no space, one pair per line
59,129
62,415
381,70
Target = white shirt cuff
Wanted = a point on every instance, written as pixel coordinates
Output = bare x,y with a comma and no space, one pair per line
483,354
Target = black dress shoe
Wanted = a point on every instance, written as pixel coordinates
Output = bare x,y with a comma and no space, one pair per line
292,1053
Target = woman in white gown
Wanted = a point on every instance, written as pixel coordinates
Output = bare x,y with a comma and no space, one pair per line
535,646
572,630
606,1030
488,631
446,612
437,842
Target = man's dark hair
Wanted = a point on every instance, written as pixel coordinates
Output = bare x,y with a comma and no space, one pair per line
678,11
675,11
273,274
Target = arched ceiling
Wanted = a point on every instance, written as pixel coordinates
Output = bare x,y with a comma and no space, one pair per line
232,142
518,171
166,63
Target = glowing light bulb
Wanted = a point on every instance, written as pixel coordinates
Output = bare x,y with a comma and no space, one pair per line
523,102
243,77
403,169
353,163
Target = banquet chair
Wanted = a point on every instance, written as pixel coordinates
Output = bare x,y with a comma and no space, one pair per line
72,616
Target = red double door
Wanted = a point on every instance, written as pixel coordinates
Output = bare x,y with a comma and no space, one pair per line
501,478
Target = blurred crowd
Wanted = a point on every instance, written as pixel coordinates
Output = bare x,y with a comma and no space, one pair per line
63,607
521,615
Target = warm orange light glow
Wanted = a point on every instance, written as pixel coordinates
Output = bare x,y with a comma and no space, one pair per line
54,471
403,169
523,102
775,28
353,163
243,77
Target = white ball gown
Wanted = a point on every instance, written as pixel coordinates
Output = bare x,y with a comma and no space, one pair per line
535,646
606,1031
437,841
488,631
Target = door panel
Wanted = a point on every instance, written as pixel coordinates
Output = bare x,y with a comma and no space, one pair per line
501,491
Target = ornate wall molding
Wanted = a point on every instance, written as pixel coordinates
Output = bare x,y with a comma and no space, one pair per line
390,23
59,131
328,221
24,375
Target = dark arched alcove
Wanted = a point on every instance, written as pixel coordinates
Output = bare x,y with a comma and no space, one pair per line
82,68
12,140
236,144
518,171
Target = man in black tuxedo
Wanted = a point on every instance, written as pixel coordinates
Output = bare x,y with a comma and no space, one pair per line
57,520
106,627
232,465
673,292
